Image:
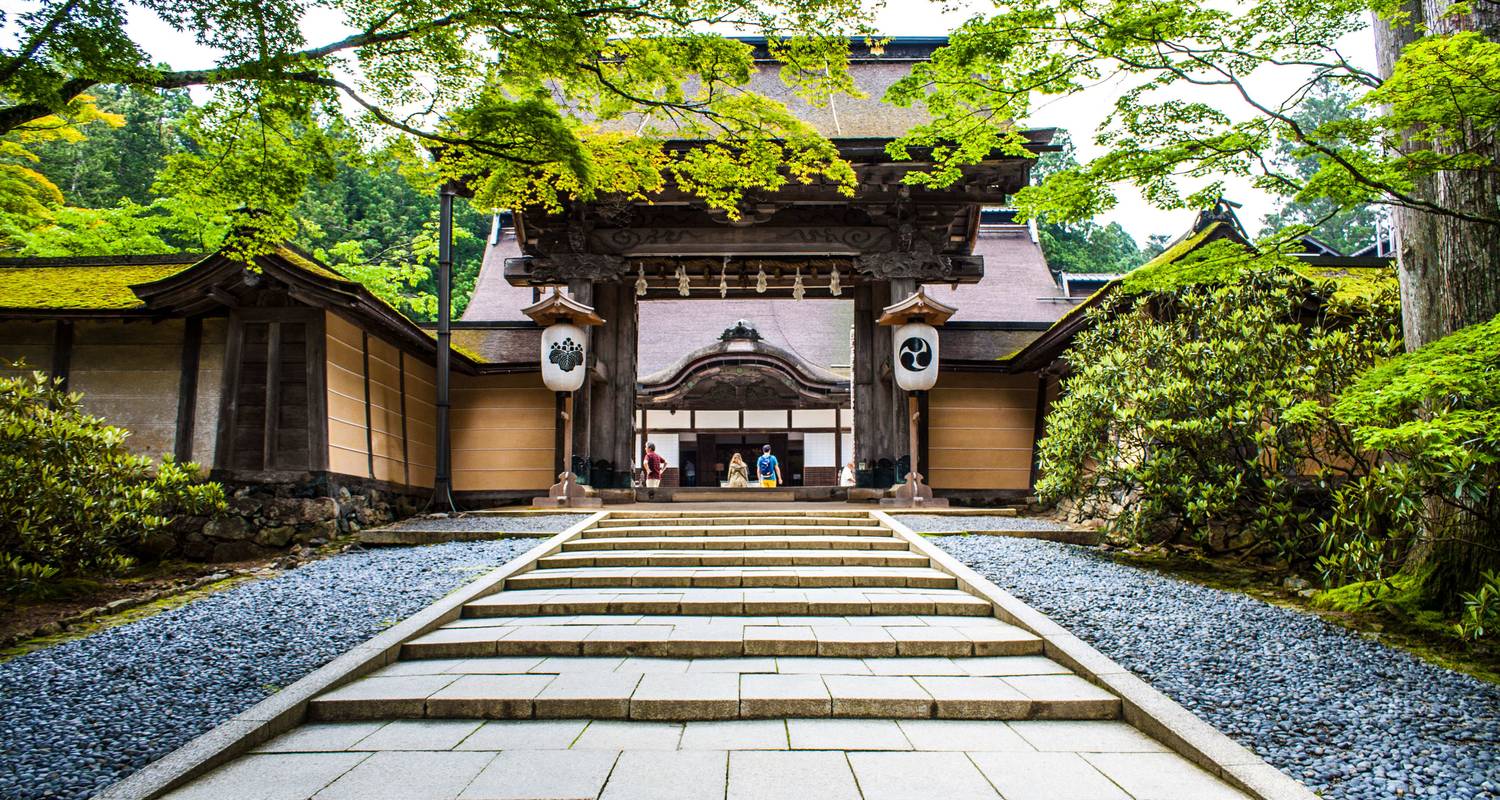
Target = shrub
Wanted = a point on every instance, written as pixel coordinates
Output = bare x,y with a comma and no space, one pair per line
71,496
1197,401
1431,505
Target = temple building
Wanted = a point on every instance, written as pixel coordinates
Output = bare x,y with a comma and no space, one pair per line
719,336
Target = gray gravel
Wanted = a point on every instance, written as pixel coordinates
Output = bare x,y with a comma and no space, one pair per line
76,717
541,523
942,523
1349,717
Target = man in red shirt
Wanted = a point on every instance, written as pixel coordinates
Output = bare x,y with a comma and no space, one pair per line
655,466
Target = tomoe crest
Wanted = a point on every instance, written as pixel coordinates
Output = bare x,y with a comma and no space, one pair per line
566,354
916,354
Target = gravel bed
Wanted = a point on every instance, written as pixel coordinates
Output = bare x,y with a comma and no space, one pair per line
944,523
79,716
1349,717
520,523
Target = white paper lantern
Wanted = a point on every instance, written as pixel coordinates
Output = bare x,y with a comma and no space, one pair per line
564,356
916,356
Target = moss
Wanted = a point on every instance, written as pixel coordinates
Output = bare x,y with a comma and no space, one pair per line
1214,255
84,287
458,348
1401,591
1361,285
307,264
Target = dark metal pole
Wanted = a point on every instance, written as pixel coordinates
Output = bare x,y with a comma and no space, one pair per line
442,492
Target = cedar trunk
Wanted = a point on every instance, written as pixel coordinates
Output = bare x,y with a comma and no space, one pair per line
1449,270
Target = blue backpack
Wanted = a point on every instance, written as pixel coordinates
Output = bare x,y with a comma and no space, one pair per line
765,466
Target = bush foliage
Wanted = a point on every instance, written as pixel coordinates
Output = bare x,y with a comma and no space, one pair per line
1432,417
1193,409
72,498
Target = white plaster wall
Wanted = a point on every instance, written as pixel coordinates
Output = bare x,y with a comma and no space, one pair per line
814,418
718,419
817,450
667,420
666,447
765,419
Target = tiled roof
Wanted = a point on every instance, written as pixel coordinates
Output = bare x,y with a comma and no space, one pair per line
843,117
494,300
1016,287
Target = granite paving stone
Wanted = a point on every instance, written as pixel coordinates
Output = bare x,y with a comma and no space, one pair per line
620,735
679,775
1085,736
542,734
790,776
407,776
1161,776
320,737
735,734
1046,776
282,776
846,734
921,776
542,775
419,734
963,735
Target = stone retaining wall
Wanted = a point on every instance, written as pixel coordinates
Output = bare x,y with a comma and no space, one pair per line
266,519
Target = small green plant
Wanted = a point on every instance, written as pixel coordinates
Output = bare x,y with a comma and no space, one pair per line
1481,609
72,497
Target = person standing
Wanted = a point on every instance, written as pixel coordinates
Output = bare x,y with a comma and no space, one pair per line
738,472
768,469
655,466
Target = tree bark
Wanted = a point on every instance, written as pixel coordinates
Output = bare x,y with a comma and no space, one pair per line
1449,270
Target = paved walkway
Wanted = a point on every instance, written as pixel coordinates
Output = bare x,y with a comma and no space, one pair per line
683,654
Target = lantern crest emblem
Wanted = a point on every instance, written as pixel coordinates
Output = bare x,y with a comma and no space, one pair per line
916,354
566,354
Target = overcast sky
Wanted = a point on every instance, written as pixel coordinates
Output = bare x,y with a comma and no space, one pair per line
1081,113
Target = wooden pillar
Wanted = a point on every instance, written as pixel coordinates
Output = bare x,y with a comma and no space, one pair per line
187,388
62,351
900,288
612,415
583,292
879,408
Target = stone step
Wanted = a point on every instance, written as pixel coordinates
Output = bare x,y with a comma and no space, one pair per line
731,577
697,530
736,543
733,558
606,690
691,636
658,513
628,522
772,601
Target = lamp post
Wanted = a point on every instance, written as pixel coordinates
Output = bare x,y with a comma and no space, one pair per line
915,340
564,360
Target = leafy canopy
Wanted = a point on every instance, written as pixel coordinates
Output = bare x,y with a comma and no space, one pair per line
534,100
1259,68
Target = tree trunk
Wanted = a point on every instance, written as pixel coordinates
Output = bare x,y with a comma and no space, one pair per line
1449,271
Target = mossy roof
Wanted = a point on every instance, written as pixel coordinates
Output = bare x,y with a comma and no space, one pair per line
1214,255
80,285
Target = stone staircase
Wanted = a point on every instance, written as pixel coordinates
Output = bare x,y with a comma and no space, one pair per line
679,655
702,615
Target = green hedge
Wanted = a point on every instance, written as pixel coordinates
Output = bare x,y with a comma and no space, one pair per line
72,498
